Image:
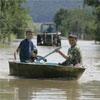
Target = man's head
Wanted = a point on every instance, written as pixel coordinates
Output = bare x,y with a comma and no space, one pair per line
29,34
72,40
50,26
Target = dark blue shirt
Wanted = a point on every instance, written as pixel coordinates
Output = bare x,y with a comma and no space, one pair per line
26,48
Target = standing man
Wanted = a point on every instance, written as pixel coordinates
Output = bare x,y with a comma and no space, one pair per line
26,49
74,55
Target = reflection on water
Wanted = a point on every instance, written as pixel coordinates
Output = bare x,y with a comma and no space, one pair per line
87,88
22,89
41,90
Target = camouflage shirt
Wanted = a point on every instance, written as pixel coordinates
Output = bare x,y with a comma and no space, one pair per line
75,56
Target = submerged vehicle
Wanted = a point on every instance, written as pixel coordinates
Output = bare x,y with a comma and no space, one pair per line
45,70
48,35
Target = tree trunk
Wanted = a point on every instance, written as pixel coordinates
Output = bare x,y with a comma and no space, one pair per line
9,38
3,38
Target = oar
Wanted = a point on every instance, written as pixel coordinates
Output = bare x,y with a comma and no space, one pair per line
43,58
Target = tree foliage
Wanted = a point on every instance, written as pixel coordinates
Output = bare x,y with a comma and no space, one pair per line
13,19
94,3
62,14
74,21
96,6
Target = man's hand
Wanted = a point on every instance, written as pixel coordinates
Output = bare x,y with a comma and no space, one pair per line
61,53
56,50
34,54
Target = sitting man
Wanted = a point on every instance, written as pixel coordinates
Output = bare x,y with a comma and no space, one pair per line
74,54
50,29
26,49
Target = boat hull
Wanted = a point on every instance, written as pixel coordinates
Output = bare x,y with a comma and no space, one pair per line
33,70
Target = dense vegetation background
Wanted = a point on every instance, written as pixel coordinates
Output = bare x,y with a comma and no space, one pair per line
71,16
14,19
77,21
95,4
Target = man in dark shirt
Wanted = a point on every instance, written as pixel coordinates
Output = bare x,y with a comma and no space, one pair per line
50,29
26,49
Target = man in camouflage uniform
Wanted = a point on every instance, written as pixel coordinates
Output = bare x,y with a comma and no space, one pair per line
74,55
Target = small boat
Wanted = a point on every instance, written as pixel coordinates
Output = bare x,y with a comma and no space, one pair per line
45,70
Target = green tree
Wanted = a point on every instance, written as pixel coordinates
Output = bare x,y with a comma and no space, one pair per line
14,19
94,3
90,29
75,21
96,6
60,15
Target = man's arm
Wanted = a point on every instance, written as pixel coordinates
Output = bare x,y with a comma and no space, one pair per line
62,54
16,53
35,54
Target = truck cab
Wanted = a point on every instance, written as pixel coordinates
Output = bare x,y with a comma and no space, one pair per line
48,35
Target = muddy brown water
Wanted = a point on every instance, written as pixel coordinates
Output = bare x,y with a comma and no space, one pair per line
86,88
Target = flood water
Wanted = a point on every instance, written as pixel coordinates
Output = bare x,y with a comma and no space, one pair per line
86,88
